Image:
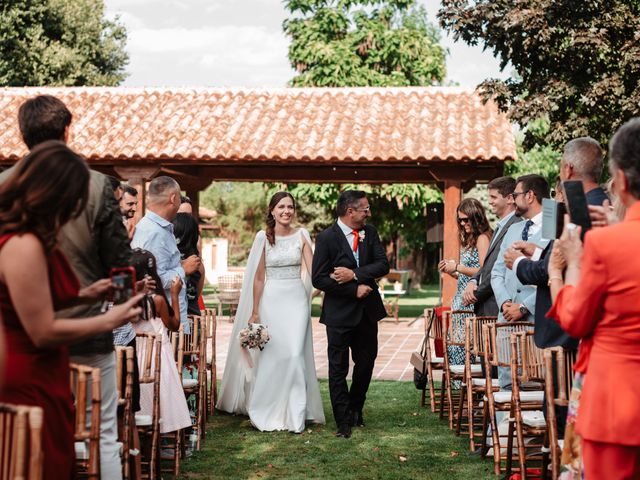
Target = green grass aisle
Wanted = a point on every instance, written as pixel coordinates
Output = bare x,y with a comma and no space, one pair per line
401,441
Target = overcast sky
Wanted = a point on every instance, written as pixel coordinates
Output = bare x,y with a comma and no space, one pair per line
238,43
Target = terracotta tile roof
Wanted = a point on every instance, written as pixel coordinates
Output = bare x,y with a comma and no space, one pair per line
367,125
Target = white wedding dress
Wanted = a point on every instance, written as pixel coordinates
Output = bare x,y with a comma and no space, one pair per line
280,391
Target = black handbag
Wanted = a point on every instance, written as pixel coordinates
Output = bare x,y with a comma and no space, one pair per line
419,363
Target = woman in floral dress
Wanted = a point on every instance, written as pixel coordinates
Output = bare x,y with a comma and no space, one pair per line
474,234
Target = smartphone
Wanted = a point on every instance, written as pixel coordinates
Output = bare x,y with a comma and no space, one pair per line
124,280
577,204
552,218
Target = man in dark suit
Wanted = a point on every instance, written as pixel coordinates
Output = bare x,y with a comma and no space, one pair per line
347,260
479,291
581,160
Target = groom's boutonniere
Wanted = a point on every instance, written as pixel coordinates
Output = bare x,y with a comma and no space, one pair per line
361,234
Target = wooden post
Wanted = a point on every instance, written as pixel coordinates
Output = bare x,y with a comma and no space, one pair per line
194,194
451,249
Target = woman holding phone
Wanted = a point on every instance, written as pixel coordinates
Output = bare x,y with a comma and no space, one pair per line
597,300
47,188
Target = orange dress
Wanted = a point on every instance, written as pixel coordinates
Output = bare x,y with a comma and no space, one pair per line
604,310
40,376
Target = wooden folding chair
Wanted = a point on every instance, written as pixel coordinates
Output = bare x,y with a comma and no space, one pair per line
87,466
455,373
20,442
149,347
173,441
476,386
559,366
210,330
194,387
497,348
434,363
126,420
527,368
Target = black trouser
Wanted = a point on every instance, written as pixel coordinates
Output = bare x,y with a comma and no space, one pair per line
363,342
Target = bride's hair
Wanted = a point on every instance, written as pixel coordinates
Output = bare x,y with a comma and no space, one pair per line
271,222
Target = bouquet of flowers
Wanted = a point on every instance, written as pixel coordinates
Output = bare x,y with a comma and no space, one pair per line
254,335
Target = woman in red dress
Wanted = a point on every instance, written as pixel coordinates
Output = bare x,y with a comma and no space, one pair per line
48,188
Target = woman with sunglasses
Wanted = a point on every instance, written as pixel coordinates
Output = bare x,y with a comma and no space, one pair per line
474,234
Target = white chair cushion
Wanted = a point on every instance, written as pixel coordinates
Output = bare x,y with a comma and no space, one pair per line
437,360
189,382
533,418
82,452
533,396
143,420
482,382
459,369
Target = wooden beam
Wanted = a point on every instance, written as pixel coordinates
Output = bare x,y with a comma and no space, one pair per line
145,172
452,196
338,173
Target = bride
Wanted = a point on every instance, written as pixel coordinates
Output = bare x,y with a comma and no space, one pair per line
277,387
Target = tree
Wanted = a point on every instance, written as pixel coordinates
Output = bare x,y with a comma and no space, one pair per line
60,42
399,211
577,61
349,43
541,159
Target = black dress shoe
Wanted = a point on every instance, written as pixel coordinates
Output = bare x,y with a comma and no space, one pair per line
344,430
357,420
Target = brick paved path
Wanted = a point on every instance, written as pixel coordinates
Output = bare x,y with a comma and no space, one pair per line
395,344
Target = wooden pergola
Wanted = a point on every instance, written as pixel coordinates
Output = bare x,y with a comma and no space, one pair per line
433,135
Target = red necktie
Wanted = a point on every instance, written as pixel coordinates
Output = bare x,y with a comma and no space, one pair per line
356,239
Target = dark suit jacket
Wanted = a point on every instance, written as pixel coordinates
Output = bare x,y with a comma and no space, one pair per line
341,307
486,302
547,333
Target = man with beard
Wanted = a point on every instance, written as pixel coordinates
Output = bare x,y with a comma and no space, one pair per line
128,206
516,302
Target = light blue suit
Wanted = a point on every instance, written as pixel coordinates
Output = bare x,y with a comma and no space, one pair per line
504,281
506,286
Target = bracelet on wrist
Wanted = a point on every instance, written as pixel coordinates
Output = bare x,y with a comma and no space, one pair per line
554,277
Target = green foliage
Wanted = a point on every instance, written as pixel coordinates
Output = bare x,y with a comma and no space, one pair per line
241,209
348,43
577,61
396,208
61,43
541,159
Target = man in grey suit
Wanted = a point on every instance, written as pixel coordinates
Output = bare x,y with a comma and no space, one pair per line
517,301
479,292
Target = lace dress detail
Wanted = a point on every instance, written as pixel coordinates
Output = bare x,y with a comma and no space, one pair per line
283,260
